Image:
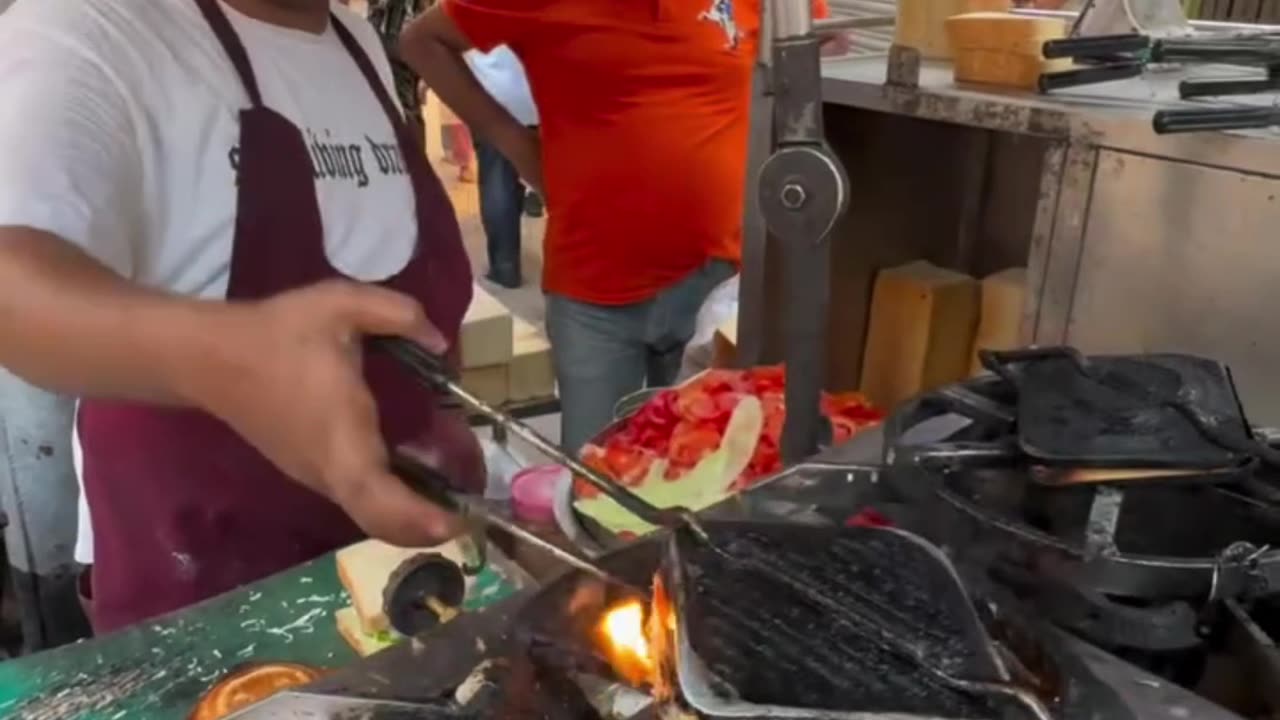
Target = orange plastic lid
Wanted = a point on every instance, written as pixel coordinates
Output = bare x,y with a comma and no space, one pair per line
248,685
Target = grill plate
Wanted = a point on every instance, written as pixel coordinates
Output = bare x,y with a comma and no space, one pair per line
801,617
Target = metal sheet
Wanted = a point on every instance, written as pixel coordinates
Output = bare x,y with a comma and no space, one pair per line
1113,115
1179,258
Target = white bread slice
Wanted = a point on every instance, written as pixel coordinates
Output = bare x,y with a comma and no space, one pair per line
363,643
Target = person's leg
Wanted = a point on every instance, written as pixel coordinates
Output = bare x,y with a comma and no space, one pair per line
673,320
599,357
533,205
501,196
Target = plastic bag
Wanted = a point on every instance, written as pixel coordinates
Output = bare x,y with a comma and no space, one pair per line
720,307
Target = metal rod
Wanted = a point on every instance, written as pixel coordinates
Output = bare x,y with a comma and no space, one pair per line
430,370
630,501
827,25
558,552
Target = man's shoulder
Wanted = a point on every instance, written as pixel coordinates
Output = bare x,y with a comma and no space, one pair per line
100,30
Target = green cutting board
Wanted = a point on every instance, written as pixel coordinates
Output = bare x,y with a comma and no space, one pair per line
159,669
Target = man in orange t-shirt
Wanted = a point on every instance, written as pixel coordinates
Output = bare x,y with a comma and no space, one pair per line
641,158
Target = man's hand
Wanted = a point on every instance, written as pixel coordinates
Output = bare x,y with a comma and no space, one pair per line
290,383
284,373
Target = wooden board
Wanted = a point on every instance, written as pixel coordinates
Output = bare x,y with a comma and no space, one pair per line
485,339
487,383
1000,321
725,345
530,374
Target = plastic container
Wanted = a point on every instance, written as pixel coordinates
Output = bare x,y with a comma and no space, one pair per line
533,493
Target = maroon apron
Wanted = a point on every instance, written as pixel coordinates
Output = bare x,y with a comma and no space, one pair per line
182,508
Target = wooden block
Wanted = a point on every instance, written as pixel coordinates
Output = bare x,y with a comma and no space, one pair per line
725,345
530,374
921,331
1003,49
487,383
1000,319
485,339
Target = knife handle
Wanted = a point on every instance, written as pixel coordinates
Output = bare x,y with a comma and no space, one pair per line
1088,76
1198,120
429,368
1098,46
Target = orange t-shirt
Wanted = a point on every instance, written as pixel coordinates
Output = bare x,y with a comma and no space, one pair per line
644,108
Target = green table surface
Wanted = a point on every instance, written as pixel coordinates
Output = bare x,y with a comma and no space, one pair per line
160,668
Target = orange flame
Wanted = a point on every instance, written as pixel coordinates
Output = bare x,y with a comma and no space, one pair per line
625,644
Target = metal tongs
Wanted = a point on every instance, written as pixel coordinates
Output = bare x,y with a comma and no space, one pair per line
431,370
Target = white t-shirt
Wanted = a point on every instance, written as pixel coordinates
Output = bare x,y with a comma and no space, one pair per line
118,132
502,76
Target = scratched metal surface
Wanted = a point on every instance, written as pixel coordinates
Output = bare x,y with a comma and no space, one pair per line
158,670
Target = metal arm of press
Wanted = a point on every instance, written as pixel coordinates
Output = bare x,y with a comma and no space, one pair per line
803,191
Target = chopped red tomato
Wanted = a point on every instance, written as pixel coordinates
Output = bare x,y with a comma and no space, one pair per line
692,442
698,405
685,425
627,465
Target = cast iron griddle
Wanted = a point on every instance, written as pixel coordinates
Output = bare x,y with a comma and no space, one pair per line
815,639
1115,411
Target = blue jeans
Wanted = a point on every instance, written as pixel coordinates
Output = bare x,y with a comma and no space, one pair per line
604,352
501,206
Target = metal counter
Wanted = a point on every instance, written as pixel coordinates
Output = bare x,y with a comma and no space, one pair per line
1133,241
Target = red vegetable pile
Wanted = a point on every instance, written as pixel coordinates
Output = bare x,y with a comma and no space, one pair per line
685,424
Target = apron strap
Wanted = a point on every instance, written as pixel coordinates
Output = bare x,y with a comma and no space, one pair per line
230,42
370,74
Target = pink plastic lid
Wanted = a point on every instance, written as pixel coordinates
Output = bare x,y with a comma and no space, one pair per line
533,493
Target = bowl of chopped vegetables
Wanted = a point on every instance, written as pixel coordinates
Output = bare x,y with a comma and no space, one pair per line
692,445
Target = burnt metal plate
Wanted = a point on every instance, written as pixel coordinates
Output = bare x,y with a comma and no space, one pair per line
1117,414
825,619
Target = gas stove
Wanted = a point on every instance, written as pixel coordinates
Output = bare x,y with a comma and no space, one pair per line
1135,600
1124,499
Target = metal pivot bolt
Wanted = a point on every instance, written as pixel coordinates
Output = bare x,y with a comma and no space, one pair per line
793,196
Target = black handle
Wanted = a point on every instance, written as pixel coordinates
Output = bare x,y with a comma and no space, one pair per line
426,366
1188,89
1245,52
1098,46
1166,122
1088,76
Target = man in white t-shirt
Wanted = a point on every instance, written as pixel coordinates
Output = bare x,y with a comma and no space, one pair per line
501,191
204,206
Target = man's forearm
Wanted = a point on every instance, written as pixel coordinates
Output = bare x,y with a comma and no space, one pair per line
71,325
439,62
